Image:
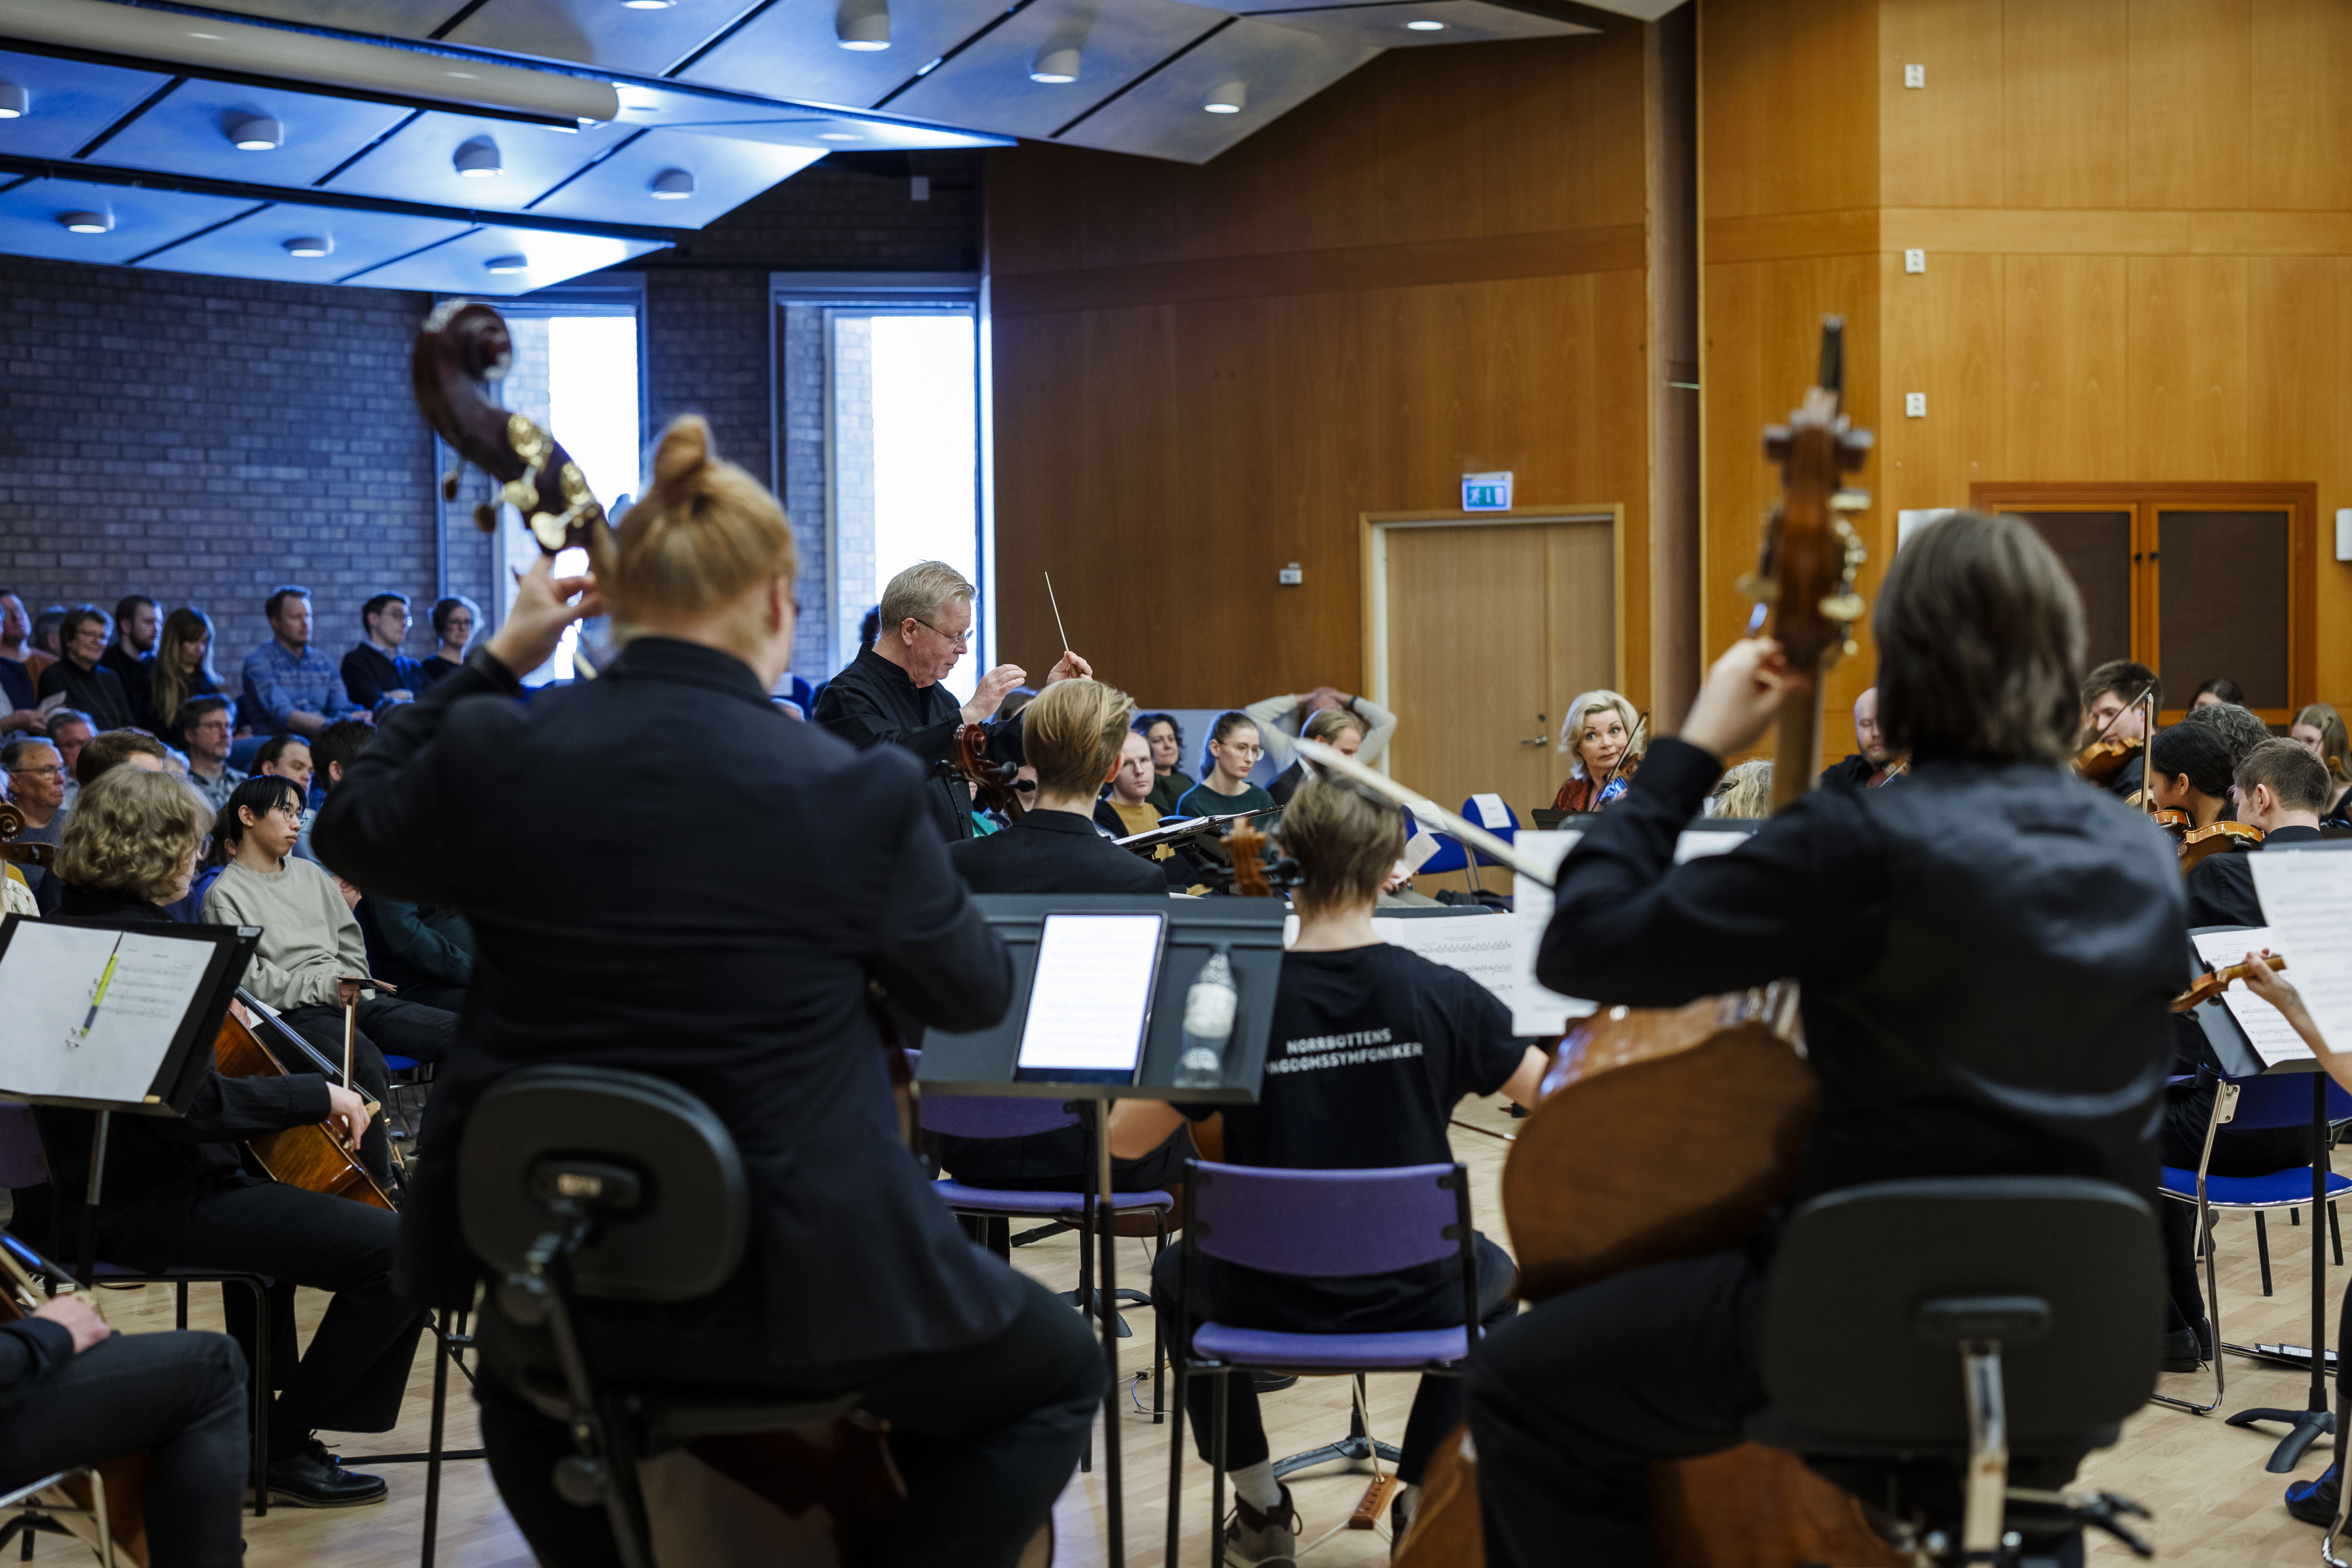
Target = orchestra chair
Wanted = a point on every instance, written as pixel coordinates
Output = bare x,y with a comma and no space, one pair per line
593,1183
31,1514
1921,1337
23,1162
1004,1116
1507,833
2263,1100
1314,1224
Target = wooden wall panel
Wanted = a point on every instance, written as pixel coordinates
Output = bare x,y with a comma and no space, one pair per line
2065,85
2065,357
2191,109
1940,145
2301,62
2186,399
1945,336
1788,127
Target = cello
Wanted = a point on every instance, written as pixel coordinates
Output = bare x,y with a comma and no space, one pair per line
310,1156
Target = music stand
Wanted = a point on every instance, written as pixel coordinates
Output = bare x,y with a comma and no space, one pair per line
984,1061
112,1021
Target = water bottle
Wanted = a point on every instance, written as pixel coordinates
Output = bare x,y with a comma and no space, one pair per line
1209,1009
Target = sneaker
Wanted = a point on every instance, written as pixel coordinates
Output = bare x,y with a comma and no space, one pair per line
1269,1538
2314,1502
312,1477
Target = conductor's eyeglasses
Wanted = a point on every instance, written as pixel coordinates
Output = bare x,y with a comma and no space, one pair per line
963,640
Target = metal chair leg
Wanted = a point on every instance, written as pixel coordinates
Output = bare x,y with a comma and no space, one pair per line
1175,1468
2263,1246
1217,1474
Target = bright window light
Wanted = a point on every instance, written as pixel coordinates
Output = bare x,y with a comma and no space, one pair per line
927,457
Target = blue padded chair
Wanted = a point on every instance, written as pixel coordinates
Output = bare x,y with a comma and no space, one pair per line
1314,1224
2266,1101
1507,833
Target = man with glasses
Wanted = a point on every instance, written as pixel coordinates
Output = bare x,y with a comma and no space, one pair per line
36,782
894,692
207,723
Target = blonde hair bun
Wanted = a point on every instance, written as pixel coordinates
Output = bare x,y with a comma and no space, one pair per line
684,448
702,536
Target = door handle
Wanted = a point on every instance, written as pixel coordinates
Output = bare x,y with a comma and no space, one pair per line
1536,740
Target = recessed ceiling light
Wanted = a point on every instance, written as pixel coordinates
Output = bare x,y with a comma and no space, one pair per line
673,184
1425,26
862,25
836,136
311,246
503,265
256,133
12,102
215,37
1056,64
649,5
465,76
1229,99
87,223
478,159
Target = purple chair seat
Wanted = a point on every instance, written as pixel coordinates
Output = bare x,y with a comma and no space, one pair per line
117,1271
1004,1200
1399,1352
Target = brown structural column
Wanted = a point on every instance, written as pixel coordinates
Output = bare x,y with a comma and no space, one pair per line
1670,160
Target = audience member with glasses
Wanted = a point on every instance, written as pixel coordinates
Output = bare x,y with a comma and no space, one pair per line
37,785
1224,788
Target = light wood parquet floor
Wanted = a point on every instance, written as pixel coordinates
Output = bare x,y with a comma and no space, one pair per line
2215,1506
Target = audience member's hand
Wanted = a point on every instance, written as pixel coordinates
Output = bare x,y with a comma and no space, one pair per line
544,605
22,719
991,693
1072,667
347,1113
1742,695
78,1318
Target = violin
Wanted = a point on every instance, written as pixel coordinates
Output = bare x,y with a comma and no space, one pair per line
1247,848
463,350
2209,986
311,1156
993,784
122,1480
1894,769
2103,760
2219,838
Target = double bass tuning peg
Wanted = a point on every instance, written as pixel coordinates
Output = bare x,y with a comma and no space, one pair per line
449,481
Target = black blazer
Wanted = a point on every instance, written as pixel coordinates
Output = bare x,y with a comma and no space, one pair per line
97,691
717,926
1052,852
872,701
2221,887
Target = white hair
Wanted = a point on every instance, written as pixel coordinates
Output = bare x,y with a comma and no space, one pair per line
919,591
1599,700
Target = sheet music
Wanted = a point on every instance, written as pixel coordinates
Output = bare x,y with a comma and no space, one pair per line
2307,896
2267,1030
1547,850
1493,815
1499,954
66,1039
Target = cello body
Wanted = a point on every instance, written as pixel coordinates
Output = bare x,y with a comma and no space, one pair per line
309,1156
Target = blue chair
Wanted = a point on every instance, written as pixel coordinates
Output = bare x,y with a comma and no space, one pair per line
2266,1101
1314,1224
1507,833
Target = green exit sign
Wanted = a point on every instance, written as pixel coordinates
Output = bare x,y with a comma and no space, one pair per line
1486,492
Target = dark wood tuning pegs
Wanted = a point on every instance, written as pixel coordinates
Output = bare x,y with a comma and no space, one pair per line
1775,442
486,517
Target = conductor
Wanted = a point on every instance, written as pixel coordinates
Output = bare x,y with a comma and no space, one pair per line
731,959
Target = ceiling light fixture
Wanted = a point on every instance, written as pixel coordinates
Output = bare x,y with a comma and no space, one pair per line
649,5
862,25
505,265
12,102
87,223
1056,64
1229,99
478,159
311,246
836,136
1425,26
256,133
673,184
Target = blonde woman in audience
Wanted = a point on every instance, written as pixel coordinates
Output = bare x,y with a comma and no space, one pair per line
1602,733
1335,727
1745,792
1281,719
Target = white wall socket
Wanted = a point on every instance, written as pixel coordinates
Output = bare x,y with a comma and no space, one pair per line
1914,76
1915,261
1290,577
1915,406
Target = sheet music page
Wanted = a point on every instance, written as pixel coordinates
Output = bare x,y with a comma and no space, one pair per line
64,1037
2307,896
1499,954
2267,1030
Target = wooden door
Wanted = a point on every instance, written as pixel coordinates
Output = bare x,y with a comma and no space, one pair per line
1491,630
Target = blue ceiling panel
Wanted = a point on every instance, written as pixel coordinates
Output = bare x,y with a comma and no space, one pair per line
254,245
601,32
790,50
187,133
462,266
142,219
70,102
727,173
415,162
990,84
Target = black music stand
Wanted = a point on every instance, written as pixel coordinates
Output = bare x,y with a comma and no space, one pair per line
983,1062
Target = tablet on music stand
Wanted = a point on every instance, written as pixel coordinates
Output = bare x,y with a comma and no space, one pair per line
1090,1000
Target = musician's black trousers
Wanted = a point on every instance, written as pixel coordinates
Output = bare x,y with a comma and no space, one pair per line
356,1369
986,1436
2237,1152
182,1397
1249,1298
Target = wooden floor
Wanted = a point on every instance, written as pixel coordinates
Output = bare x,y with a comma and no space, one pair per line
2215,1506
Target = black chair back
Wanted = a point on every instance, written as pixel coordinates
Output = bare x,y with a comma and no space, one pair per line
659,1171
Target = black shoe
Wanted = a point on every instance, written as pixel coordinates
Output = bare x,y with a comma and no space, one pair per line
1273,1382
1268,1540
312,1477
2314,1502
2182,1351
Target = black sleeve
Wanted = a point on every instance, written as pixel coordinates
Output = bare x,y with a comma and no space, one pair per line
359,679
230,1110
30,1350
1486,1052
53,680
378,826
2221,889
935,956
1802,898
853,714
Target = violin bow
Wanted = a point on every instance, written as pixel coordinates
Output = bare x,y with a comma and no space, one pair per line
1339,761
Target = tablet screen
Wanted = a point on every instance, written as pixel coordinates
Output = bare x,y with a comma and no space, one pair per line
1090,1003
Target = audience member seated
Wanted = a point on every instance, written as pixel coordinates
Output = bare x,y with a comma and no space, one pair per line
1127,809
1281,719
2319,729
375,669
75,1393
2111,713
44,651
309,939
131,654
183,669
1335,727
426,951
1326,1108
288,757
2191,773
454,620
36,777
1169,781
69,730
1225,764
1744,792
19,691
1600,733
206,722
80,676
1071,735
115,749
2220,689
1860,765
176,1193
289,686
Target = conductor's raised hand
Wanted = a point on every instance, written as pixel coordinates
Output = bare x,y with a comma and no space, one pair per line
991,693
1742,696
1071,668
544,606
